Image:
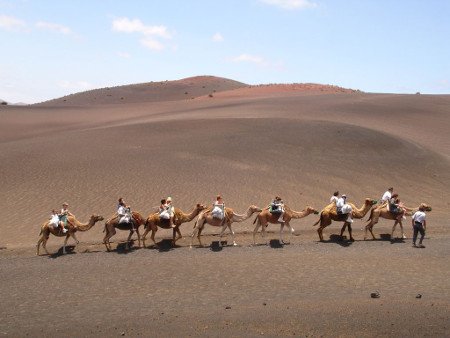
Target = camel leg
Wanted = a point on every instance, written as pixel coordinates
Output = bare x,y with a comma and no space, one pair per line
65,243
44,243
197,231
393,229
263,232
139,237
111,233
176,231
403,232
127,246
106,239
154,230
146,231
224,226
281,232
291,230
366,229
320,232
38,245
199,234
258,224
232,234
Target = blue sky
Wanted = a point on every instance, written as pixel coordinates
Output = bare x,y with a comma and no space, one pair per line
51,48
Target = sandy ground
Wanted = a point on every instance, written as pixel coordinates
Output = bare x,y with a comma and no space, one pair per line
249,144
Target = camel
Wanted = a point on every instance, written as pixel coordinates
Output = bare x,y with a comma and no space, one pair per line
230,217
153,222
113,223
73,226
265,217
329,213
383,212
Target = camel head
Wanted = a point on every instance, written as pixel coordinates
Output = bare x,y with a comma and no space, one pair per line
370,201
200,207
254,208
96,218
311,210
425,206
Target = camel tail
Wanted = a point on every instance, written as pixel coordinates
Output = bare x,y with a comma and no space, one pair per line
320,218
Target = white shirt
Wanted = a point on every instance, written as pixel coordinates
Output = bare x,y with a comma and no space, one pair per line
419,216
334,199
386,196
122,210
54,219
340,202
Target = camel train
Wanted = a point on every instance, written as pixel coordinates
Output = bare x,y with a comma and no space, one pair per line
275,213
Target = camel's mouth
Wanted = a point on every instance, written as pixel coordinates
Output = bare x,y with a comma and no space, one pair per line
316,212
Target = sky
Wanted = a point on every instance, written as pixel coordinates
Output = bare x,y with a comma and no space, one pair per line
52,48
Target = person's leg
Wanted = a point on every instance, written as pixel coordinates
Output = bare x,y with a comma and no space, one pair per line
415,234
422,234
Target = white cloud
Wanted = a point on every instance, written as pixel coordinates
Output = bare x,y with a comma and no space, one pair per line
150,34
217,37
291,4
53,27
11,23
250,58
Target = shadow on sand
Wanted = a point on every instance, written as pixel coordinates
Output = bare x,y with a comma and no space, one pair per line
388,238
338,239
70,250
276,244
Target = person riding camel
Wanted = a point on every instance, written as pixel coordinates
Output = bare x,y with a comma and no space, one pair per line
387,196
335,197
395,207
64,214
54,220
164,214
171,211
124,212
218,210
277,207
344,209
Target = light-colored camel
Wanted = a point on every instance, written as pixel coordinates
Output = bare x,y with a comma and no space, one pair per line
153,222
230,217
329,214
383,212
265,217
113,223
73,225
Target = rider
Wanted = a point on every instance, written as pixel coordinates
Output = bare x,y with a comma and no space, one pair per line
387,195
335,197
164,210
64,214
55,222
344,208
277,207
395,207
171,211
124,212
218,210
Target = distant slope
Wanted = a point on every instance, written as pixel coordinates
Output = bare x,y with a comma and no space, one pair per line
183,89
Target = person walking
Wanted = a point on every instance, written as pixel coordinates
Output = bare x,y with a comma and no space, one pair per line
419,224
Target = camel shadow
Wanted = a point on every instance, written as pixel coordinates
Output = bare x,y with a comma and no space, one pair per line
165,245
276,244
389,238
121,248
216,246
338,239
70,250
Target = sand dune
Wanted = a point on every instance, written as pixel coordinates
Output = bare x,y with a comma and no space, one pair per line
247,143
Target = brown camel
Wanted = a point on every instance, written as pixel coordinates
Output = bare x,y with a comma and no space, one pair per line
230,217
329,213
113,223
153,222
73,225
383,212
265,217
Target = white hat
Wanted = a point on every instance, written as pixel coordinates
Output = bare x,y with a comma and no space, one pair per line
344,196
169,199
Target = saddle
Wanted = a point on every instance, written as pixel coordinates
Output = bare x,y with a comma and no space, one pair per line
275,209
